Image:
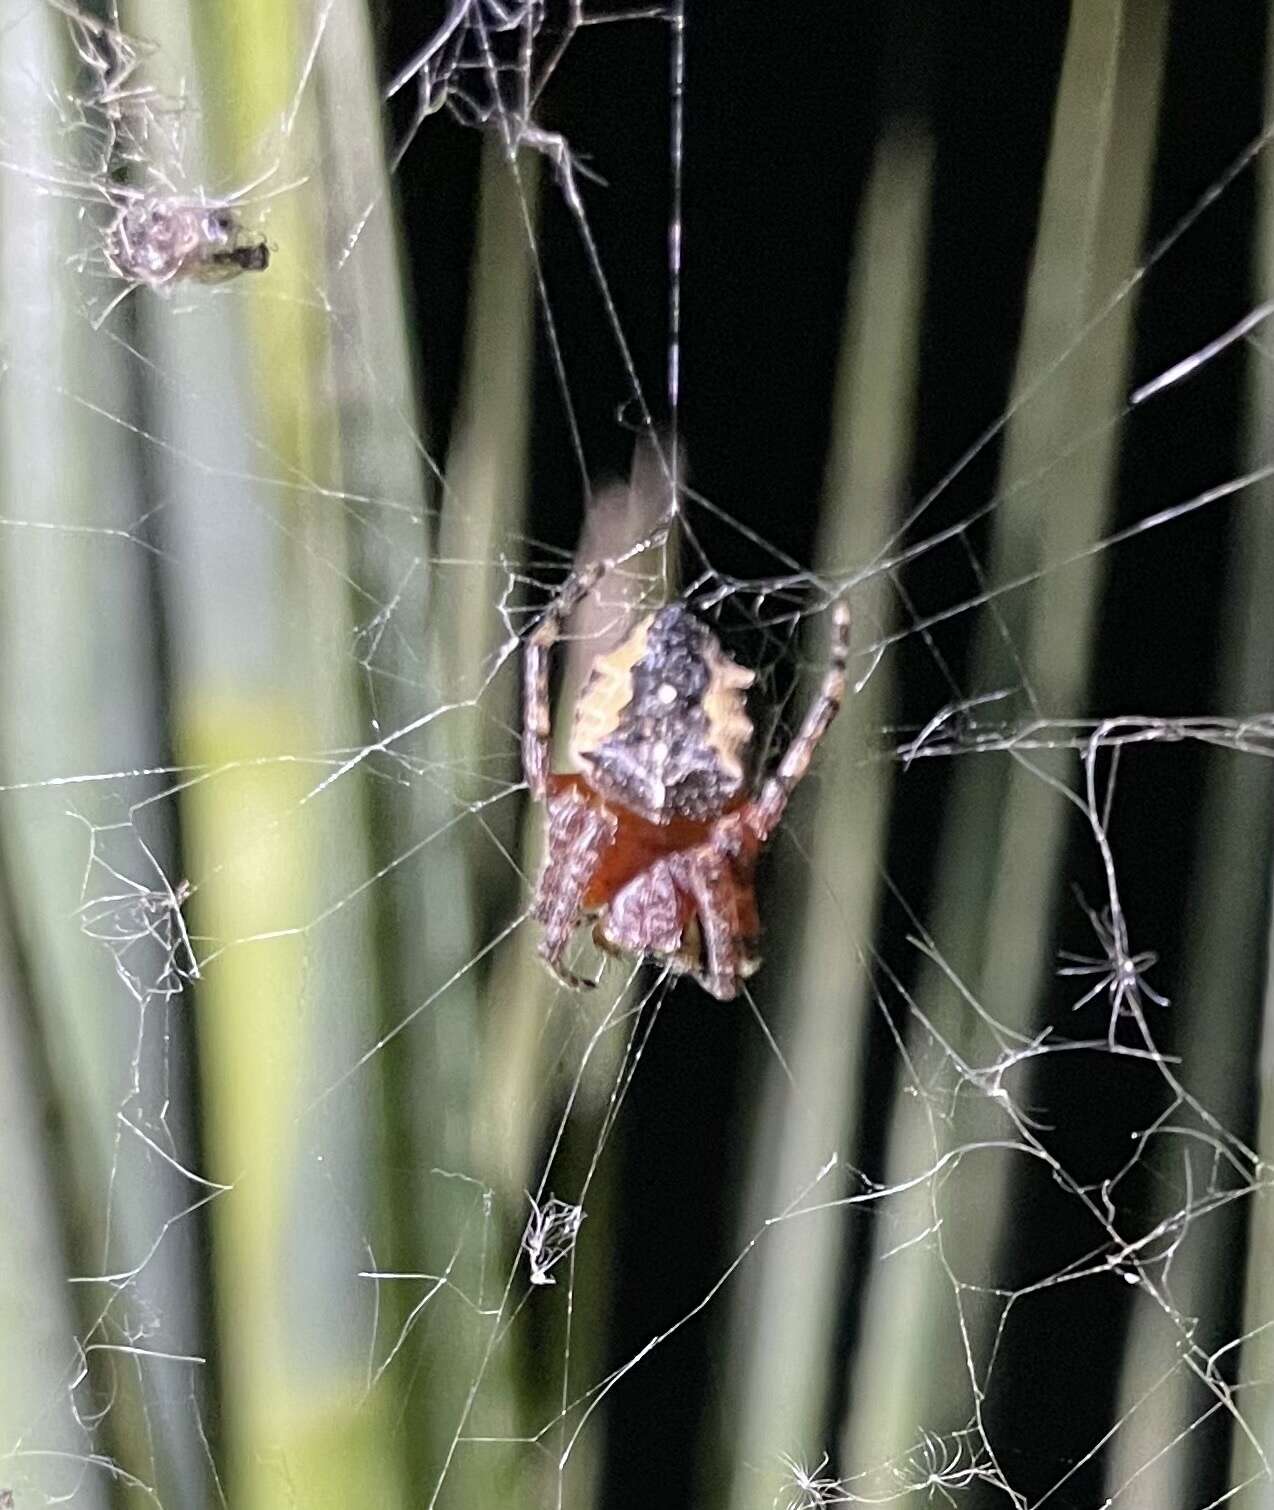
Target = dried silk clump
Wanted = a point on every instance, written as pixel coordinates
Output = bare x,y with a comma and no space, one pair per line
159,240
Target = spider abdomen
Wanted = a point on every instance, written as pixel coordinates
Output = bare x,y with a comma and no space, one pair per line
661,725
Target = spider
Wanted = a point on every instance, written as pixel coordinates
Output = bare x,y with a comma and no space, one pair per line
655,836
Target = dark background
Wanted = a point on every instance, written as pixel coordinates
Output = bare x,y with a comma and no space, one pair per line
784,106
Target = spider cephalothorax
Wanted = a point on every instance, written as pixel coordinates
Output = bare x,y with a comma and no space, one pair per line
655,837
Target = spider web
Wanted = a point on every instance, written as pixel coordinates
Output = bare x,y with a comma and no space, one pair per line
345,1190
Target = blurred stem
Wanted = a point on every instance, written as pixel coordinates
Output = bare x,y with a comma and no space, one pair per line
467,751
821,996
996,890
261,631
36,1317
76,673
386,474
547,1051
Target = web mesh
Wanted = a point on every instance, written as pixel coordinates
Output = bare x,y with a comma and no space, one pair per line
350,1192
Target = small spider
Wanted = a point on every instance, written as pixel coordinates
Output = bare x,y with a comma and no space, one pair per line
655,836
158,239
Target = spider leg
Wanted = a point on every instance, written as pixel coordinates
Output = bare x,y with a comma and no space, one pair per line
728,926
767,810
568,978
578,836
537,727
